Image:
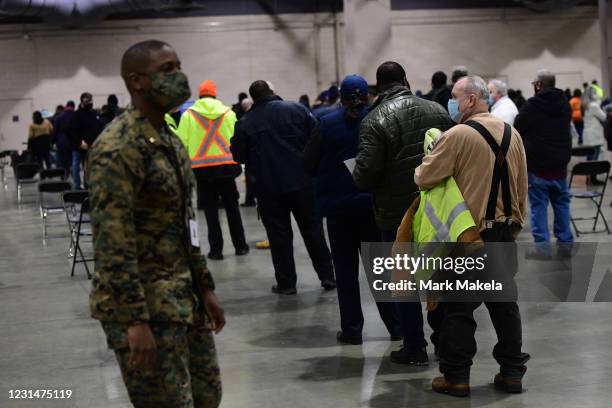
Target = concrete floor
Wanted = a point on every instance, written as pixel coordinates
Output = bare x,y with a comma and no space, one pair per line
275,351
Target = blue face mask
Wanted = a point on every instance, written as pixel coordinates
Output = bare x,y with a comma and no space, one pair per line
491,100
453,110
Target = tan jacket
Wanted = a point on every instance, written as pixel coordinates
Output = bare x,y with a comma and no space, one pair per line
464,154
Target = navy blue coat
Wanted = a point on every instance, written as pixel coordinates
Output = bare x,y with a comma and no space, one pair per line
270,139
335,142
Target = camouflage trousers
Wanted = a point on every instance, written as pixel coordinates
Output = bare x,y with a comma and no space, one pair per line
186,371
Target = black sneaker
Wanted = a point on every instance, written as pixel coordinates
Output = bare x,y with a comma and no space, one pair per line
281,291
396,337
242,251
348,340
215,256
416,358
328,284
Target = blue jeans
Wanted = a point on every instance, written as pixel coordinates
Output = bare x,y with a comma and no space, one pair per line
541,191
595,154
76,169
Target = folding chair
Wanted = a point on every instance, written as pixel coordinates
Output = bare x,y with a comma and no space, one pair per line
591,168
50,198
76,206
51,174
25,173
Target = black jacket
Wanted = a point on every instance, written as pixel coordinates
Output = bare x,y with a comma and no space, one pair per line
270,139
440,95
544,125
391,148
85,126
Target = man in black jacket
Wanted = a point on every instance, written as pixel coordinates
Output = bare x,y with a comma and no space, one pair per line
544,124
440,92
83,129
270,139
390,149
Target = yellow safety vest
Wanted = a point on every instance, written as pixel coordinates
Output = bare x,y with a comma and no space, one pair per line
206,129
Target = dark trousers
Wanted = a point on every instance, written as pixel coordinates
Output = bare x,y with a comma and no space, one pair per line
346,233
64,159
457,344
276,213
410,313
208,198
249,195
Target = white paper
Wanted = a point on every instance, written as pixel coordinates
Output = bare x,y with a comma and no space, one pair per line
350,165
193,231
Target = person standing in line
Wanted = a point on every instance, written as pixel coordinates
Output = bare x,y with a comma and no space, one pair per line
350,218
270,139
469,152
61,138
544,123
205,129
501,105
594,119
577,116
39,139
152,291
390,148
83,129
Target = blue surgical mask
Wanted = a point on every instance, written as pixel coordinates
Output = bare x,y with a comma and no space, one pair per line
453,110
491,100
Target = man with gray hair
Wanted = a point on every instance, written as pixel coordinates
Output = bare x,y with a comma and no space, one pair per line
480,148
544,123
502,106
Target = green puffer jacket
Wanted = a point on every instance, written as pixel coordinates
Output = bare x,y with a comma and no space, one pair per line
391,148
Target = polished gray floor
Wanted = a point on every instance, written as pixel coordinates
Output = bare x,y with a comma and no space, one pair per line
274,352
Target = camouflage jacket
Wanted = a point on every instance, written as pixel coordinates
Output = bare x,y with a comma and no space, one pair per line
140,182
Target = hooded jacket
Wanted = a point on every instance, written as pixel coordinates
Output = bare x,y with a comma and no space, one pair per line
391,147
194,137
544,124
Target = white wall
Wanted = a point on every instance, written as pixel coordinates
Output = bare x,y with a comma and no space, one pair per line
512,45
55,65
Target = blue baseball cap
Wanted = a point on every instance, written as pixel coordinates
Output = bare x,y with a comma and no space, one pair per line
354,85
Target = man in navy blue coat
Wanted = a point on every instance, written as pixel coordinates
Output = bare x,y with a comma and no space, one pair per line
349,211
270,139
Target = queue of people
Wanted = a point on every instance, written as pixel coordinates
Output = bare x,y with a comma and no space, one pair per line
152,290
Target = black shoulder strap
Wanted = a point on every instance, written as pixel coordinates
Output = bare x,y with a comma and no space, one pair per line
500,171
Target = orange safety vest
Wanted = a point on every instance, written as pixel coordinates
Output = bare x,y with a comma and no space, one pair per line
214,149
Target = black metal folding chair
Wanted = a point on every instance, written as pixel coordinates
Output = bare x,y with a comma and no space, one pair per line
50,194
594,193
25,173
53,174
76,206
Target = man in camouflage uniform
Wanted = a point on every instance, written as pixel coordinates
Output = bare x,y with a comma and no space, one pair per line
152,291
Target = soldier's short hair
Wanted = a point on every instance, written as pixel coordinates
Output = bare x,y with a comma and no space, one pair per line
138,55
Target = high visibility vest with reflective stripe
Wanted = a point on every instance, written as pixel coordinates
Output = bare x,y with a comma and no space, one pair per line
214,147
442,215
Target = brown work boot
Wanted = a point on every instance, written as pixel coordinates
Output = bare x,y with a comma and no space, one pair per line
441,385
509,385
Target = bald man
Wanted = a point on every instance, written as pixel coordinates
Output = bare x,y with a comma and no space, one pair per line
149,268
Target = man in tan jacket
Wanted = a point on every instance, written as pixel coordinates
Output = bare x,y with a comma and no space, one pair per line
480,152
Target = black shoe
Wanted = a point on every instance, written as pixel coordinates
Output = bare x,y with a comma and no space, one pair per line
215,256
396,337
242,251
595,182
348,340
328,284
417,358
279,291
248,204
